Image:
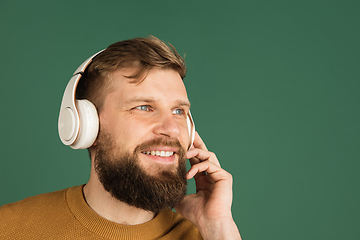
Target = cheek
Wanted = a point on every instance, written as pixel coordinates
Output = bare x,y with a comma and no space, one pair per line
185,138
132,133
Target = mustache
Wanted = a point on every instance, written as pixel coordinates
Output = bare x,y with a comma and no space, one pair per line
163,142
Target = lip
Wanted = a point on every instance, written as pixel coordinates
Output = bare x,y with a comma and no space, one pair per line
170,159
167,159
162,148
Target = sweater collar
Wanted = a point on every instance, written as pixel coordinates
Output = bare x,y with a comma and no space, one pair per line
152,229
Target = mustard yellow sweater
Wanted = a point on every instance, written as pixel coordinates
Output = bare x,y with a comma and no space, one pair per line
65,215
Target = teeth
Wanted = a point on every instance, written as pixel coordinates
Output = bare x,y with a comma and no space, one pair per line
159,153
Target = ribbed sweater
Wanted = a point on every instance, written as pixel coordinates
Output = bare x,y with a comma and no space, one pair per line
65,215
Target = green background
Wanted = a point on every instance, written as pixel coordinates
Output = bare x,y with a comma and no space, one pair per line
274,87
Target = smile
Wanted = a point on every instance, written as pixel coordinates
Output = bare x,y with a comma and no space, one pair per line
159,153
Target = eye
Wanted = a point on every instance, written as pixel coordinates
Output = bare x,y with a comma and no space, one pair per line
143,107
179,111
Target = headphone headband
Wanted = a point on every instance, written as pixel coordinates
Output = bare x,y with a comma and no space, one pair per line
69,119
78,123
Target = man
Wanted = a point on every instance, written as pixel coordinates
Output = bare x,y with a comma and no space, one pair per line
138,169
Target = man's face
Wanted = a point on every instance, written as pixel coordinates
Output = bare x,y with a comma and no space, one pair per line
144,125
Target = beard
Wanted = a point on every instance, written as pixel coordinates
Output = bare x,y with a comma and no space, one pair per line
124,178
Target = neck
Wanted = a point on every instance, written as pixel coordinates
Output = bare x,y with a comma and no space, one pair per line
110,208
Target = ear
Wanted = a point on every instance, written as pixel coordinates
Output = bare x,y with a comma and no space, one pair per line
75,128
89,124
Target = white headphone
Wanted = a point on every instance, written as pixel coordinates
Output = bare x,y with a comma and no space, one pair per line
78,123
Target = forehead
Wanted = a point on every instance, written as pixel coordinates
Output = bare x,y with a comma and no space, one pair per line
159,84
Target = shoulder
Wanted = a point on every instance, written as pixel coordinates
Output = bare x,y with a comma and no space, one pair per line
181,228
30,204
32,213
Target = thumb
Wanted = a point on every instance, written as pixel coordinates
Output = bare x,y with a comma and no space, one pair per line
191,207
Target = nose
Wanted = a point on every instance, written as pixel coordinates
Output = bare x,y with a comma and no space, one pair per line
167,126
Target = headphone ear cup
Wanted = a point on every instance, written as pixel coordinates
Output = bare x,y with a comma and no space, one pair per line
191,129
89,124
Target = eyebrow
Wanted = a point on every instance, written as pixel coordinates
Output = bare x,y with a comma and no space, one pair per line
152,100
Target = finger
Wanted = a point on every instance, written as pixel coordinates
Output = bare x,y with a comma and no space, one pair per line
198,142
213,171
202,155
194,161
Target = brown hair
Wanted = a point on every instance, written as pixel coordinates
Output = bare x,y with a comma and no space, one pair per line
142,54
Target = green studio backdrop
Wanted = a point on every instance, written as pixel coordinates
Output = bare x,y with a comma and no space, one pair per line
274,87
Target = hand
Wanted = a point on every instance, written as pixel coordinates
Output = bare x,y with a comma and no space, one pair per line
210,208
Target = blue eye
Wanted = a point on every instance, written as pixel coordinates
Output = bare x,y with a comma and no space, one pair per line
143,107
178,111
